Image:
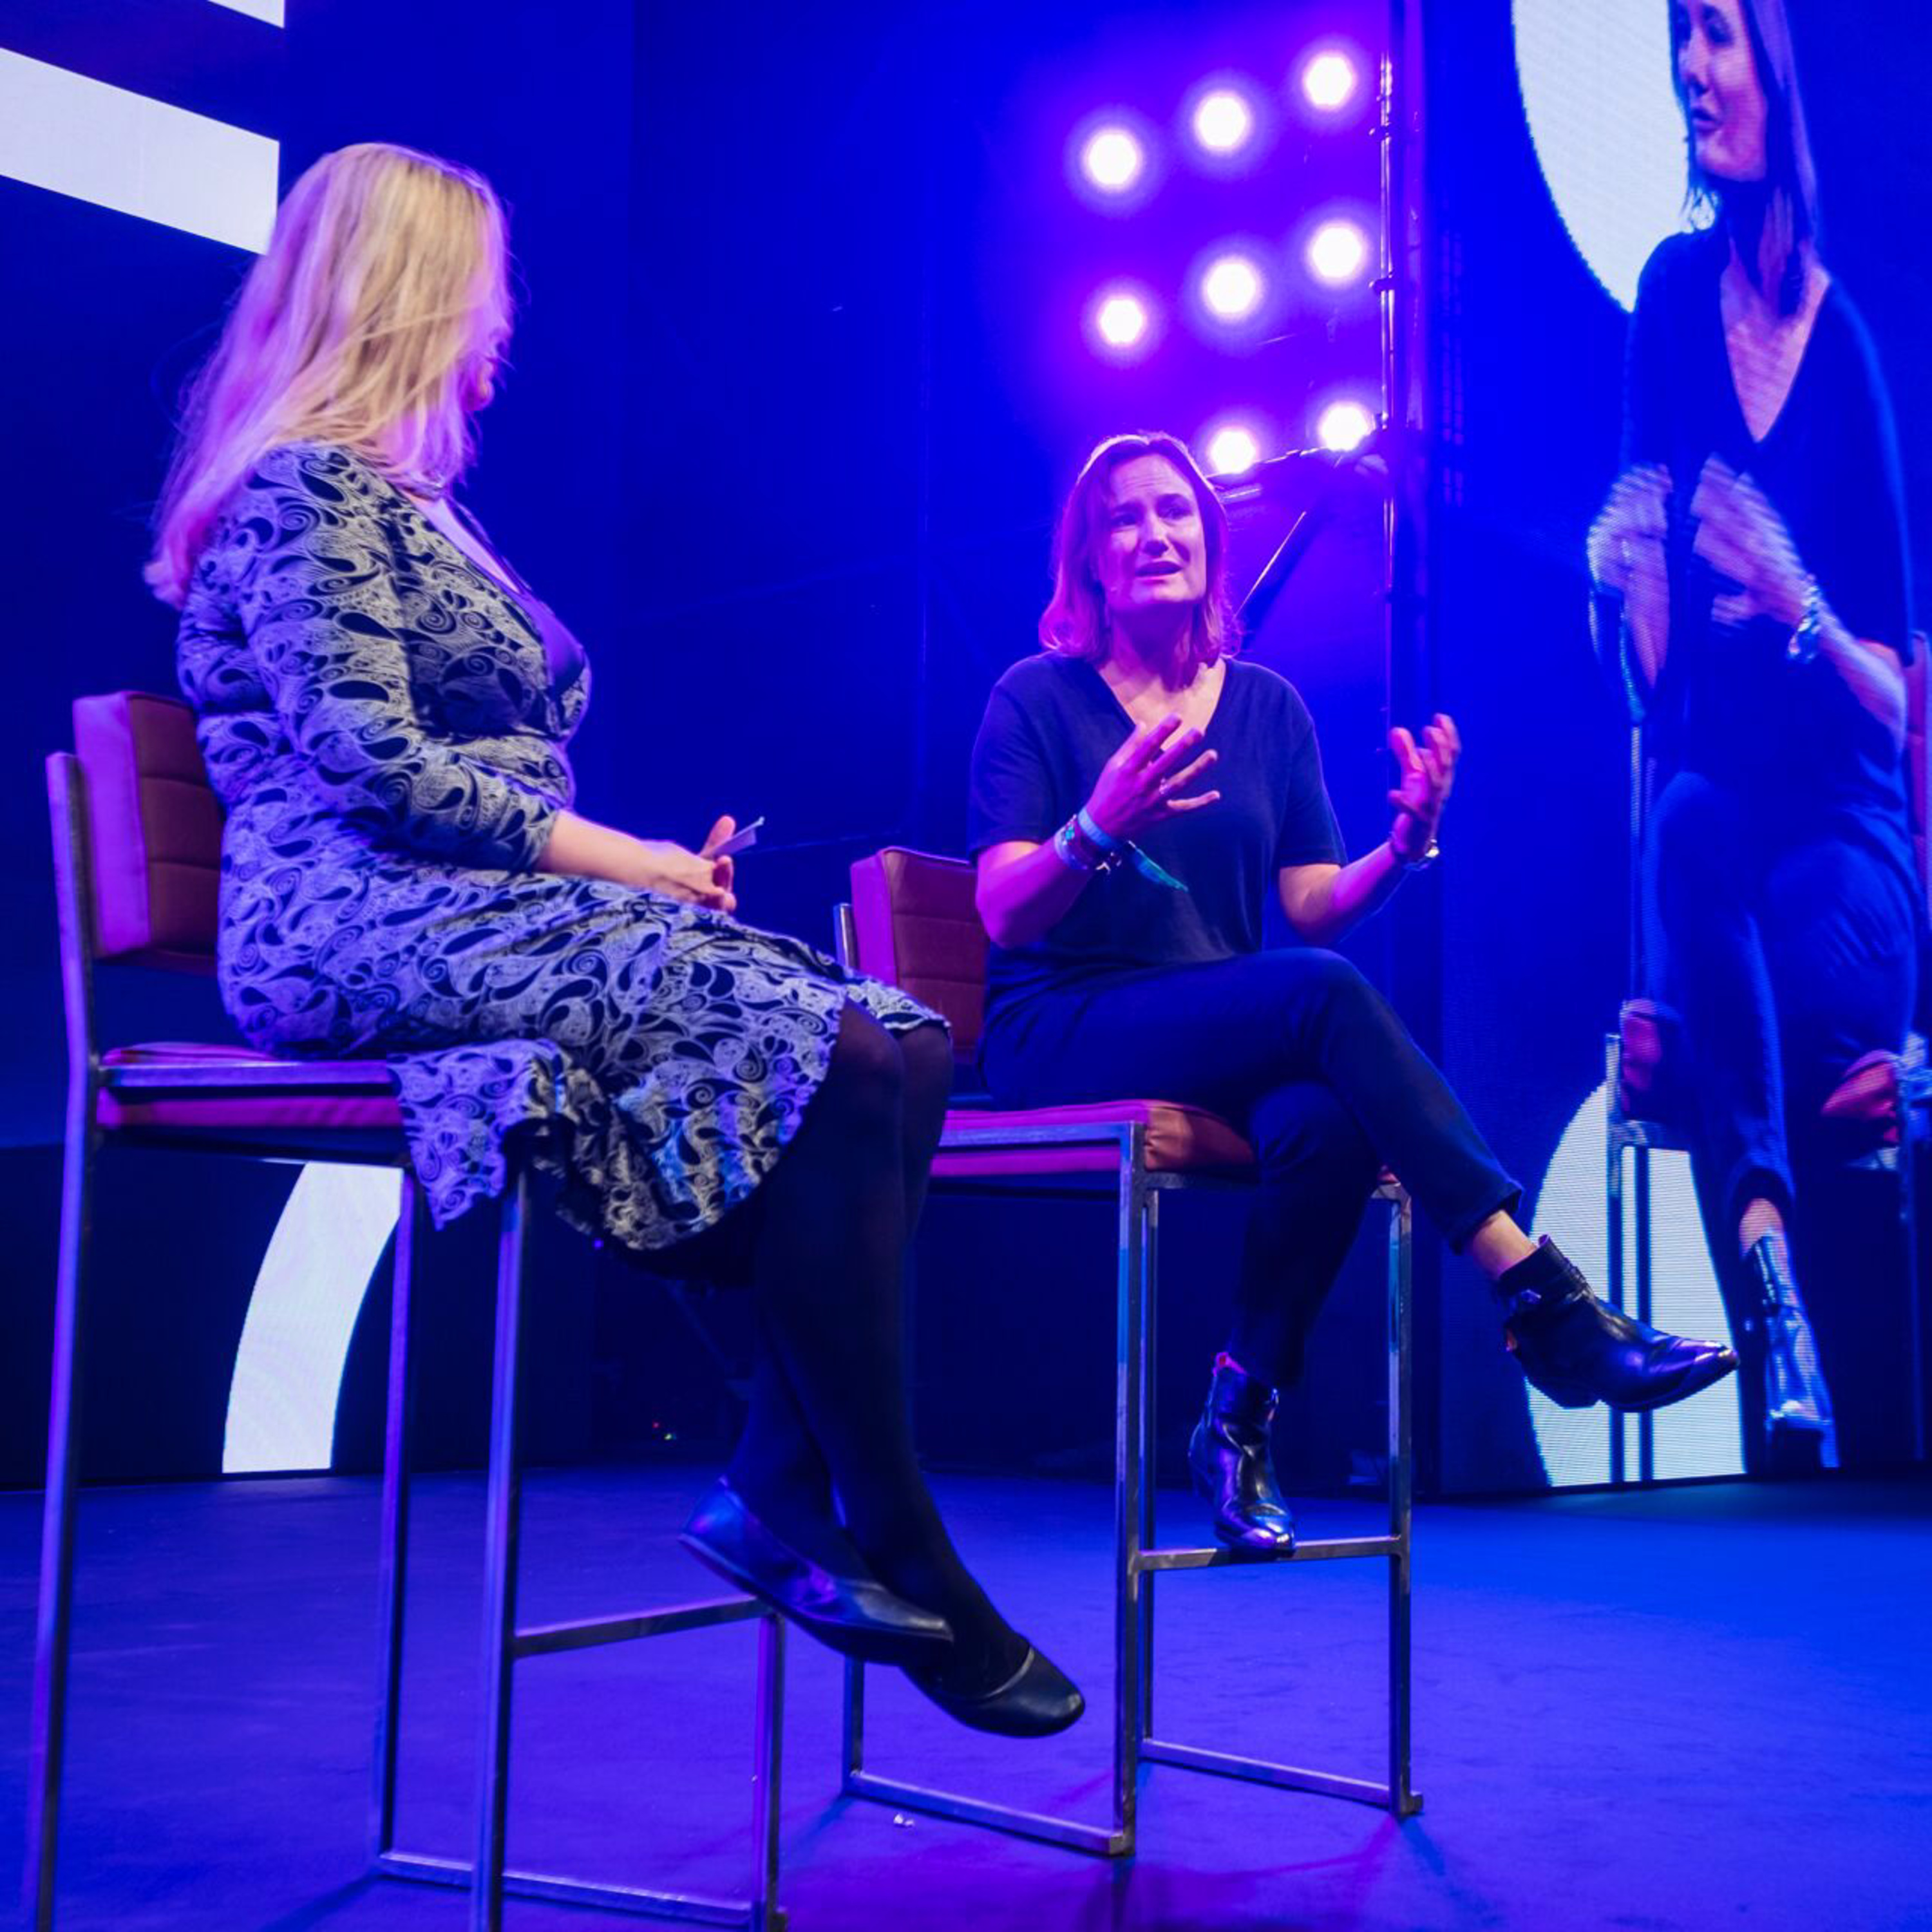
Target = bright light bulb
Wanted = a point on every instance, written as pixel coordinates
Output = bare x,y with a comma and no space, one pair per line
1330,81
1233,450
1112,159
1344,425
1337,253
1223,120
1121,320
1232,288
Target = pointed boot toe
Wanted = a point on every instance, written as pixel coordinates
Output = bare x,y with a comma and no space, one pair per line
1578,1351
851,1612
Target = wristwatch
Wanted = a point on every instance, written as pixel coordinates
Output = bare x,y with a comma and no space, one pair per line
1428,856
1807,634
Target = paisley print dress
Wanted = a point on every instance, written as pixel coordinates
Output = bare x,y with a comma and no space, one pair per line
380,718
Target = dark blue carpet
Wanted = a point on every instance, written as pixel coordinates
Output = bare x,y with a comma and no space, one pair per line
1669,1712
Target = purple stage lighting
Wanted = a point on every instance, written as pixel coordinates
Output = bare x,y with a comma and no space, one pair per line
1121,322
1330,80
1337,253
1223,120
1112,158
1232,287
1233,450
1345,424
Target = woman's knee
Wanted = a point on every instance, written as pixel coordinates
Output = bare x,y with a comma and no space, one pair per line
864,1081
1305,1138
1694,833
926,1053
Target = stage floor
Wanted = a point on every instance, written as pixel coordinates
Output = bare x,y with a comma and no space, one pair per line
1666,1712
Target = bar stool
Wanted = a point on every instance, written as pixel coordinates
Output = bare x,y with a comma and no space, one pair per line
137,842
912,921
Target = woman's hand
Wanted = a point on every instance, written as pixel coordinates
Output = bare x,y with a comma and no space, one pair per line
725,871
1626,542
1137,785
696,878
580,848
1427,776
1741,537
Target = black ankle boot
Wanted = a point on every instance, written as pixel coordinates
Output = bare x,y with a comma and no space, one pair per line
1233,1465
1799,1431
1578,1351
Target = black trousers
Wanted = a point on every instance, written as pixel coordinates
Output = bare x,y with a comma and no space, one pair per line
1298,1048
1789,959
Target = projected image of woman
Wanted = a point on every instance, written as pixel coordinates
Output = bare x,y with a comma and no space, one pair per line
385,706
1757,541
1137,791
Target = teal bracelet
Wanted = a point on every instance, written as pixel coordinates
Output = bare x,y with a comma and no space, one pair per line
1089,824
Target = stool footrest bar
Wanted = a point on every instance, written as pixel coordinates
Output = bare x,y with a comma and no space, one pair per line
1097,1839
1283,1777
1218,1557
543,1640
690,1908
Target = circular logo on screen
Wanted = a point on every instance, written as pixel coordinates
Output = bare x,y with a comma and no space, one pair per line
1608,133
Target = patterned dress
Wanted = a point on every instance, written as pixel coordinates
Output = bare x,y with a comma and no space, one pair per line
379,717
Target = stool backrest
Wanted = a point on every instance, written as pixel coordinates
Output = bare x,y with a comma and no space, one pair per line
147,875
917,927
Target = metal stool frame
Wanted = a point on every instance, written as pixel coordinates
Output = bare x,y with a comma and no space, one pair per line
1139,1559
504,1644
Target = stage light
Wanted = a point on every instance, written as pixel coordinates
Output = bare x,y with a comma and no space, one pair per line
1223,120
1337,253
1330,80
1233,450
1345,425
1112,159
1121,322
1232,287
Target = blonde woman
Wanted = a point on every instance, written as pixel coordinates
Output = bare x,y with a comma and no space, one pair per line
385,706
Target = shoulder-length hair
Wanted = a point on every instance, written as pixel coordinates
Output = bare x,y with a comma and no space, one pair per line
1791,180
372,320
1075,622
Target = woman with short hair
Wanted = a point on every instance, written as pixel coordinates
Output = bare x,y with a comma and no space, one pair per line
1124,902
384,708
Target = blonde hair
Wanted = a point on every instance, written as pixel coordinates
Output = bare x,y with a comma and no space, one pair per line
372,320
1074,624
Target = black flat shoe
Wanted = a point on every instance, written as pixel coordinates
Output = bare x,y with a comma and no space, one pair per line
1578,1351
1800,1436
855,1614
1037,1700
1232,1463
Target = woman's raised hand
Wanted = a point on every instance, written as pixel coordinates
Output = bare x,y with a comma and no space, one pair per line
1423,785
1139,785
1626,541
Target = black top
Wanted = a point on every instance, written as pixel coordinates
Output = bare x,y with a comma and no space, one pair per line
1051,723
1794,741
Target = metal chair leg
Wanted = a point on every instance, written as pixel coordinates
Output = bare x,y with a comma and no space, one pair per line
1403,1801
766,1914
1133,1488
53,1634
499,1589
394,1559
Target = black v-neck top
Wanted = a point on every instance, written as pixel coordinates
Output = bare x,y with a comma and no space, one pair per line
1793,741
1051,723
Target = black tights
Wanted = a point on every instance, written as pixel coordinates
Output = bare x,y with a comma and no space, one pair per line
829,1228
